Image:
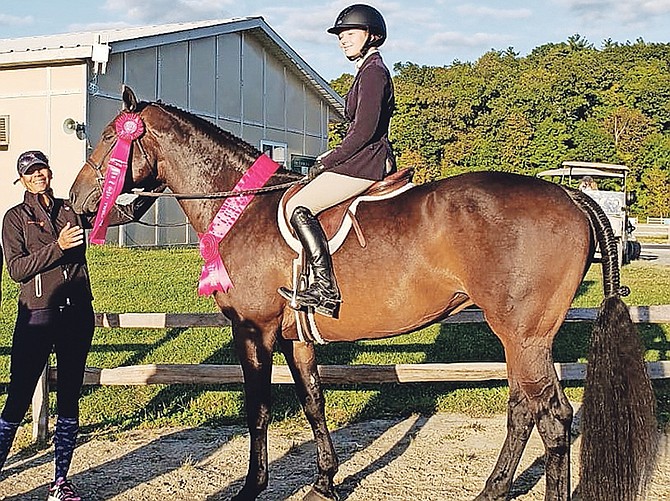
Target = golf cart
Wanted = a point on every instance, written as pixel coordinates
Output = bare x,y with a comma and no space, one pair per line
606,184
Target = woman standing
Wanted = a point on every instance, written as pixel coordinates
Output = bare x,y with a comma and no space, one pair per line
364,156
44,249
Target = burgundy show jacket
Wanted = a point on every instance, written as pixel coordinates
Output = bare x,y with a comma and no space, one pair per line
370,102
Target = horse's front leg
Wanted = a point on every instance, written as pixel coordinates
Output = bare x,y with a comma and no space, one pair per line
519,427
301,360
254,350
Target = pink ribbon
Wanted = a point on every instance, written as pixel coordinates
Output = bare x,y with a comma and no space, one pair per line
214,276
129,126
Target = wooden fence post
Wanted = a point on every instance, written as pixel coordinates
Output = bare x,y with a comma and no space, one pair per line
41,409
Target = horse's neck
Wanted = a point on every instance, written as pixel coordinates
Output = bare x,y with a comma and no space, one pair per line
196,174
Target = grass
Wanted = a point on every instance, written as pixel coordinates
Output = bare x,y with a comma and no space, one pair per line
165,280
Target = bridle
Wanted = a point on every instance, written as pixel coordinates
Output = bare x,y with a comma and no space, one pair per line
97,168
158,191
127,210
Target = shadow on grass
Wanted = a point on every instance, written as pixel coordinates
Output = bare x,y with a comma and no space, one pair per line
170,400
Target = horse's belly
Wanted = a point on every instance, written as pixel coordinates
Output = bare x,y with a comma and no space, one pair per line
388,313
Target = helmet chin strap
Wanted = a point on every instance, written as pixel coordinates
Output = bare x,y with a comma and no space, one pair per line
364,50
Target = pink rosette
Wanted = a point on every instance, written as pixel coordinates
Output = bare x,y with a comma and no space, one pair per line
209,247
129,126
214,275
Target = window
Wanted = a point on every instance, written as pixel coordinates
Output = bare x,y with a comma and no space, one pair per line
276,151
4,130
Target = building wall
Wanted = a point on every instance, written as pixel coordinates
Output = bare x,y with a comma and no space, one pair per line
230,79
38,100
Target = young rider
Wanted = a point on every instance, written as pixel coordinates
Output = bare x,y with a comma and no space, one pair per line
364,156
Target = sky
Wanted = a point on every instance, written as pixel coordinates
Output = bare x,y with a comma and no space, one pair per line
424,32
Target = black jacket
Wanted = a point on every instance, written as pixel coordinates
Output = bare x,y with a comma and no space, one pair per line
369,104
49,276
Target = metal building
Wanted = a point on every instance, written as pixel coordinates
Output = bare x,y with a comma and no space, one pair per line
58,92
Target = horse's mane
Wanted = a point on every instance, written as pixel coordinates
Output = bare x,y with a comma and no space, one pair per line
211,130
238,148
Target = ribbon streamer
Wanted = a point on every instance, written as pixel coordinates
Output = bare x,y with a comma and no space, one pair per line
214,276
129,126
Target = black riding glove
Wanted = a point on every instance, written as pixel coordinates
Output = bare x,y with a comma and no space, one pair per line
315,170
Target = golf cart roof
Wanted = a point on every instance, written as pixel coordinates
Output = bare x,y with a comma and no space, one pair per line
581,169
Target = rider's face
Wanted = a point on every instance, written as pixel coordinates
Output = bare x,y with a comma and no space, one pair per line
352,41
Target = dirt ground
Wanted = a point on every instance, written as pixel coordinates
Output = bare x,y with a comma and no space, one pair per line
441,457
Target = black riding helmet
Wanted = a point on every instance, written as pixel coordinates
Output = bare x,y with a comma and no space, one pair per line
361,17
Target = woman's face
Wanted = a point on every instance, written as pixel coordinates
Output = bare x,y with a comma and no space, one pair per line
352,42
37,179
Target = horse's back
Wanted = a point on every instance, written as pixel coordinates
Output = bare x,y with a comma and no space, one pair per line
495,239
489,213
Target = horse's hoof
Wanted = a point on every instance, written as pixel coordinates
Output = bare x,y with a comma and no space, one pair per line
244,495
314,495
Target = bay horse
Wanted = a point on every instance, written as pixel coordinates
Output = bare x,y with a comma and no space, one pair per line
515,246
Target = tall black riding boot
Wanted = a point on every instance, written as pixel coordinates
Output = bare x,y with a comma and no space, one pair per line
322,293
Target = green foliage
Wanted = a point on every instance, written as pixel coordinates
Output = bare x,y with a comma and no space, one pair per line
337,130
564,101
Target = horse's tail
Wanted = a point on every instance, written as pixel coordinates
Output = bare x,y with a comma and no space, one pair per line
619,428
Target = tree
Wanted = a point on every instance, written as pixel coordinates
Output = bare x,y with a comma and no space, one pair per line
655,199
337,130
563,101
591,142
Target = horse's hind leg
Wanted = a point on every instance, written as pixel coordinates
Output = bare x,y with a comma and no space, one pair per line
532,366
301,360
519,427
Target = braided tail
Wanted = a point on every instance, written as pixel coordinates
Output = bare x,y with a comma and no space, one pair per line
619,428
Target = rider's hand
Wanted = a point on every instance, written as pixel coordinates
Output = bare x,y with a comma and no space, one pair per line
70,236
315,170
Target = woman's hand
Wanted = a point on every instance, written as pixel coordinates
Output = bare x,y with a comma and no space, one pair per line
315,170
70,236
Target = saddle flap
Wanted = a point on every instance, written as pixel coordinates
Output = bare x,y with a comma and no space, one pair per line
332,218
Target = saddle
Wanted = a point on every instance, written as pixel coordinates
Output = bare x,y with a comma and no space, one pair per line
337,222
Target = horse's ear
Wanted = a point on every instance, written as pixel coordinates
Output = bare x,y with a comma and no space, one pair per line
129,99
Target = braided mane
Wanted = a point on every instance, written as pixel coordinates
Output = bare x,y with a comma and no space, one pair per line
211,130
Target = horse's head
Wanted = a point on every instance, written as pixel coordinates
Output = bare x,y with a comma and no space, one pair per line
86,191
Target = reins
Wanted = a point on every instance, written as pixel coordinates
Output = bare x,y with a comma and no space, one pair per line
220,194
187,196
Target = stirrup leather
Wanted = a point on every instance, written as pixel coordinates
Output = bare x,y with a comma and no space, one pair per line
305,296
